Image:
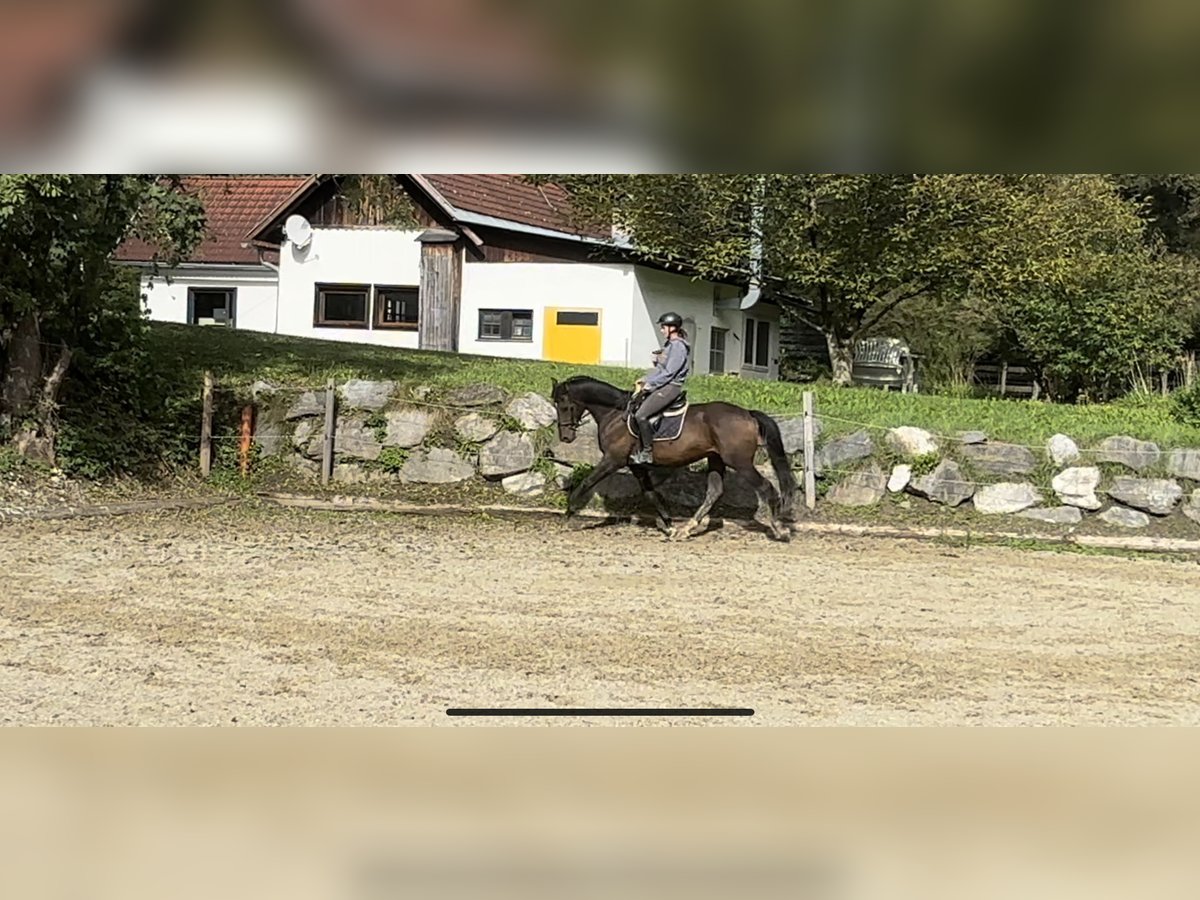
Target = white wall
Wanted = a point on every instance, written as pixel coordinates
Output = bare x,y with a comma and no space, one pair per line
257,288
630,298
659,292
536,286
346,256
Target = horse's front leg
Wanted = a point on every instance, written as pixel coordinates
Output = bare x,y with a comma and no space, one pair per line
582,493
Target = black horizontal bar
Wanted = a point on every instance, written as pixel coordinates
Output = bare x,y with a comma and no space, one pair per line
600,711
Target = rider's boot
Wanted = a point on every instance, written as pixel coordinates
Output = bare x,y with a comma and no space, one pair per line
645,454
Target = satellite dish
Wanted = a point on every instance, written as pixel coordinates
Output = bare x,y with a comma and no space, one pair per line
298,231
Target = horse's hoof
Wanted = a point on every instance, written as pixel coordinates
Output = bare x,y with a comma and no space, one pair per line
682,532
703,524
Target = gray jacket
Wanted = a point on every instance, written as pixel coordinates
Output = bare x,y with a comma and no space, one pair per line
672,367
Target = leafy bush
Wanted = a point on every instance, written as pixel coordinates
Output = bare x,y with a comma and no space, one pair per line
1185,405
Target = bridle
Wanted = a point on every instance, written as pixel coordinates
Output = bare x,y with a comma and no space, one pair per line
569,416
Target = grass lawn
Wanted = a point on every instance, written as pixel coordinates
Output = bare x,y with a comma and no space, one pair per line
239,358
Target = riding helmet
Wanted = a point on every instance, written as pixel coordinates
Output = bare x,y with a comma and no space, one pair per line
673,319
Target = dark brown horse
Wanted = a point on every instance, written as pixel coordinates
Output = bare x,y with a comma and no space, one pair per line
728,436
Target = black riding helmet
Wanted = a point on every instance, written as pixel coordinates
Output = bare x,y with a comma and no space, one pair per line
673,319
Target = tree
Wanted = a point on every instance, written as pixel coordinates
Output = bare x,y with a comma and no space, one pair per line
57,237
848,251
1100,302
845,251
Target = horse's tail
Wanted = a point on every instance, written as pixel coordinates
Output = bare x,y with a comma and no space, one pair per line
768,431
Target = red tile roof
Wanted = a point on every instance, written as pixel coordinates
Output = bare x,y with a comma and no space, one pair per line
233,205
511,198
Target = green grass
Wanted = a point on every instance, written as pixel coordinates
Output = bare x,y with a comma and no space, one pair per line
239,358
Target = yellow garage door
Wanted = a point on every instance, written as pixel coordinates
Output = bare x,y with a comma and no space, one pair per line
572,335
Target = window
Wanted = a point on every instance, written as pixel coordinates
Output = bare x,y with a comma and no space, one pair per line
577,318
396,307
506,325
756,343
341,305
716,351
211,306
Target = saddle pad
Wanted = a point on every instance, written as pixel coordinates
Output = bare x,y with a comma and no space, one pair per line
667,425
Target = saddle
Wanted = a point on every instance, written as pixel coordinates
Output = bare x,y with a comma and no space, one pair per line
667,424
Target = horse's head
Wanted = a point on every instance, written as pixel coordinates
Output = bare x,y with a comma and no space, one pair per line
570,411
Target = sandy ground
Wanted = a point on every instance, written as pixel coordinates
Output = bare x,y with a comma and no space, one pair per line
232,617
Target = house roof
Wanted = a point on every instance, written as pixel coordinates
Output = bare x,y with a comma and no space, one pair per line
495,201
233,204
512,199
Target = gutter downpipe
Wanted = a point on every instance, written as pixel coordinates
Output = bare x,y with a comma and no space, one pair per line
274,268
754,293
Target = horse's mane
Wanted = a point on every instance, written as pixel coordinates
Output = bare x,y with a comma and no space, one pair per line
596,390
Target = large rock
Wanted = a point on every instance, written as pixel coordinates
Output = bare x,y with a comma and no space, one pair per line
1077,486
353,438
358,393
972,437
309,439
1059,515
1191,509
901,476
865,487
262,388
1158,496
1006,497
911,442
533,411
436,466
843,450
476,395
272,432
407,427
506,454
618,487
1126,518
475,428
562,474
791,430
310,403
1062,450
349,473
527,484
1128,451
584,449
1001,459
946,484
1184,464
738,492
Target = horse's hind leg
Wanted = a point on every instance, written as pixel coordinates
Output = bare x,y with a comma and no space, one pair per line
716,487
766,492
664,517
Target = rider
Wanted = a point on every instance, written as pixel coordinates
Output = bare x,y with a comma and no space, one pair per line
663,384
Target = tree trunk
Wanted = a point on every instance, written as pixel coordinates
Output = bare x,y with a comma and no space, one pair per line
29,400
22,375
841,357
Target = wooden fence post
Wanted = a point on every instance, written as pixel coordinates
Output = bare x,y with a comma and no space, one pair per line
327,450
810,476
1004,378
244,442
206,426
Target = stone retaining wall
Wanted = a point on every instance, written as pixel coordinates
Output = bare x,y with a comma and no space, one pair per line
481,432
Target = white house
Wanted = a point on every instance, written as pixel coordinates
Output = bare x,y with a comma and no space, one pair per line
495,268
224,281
